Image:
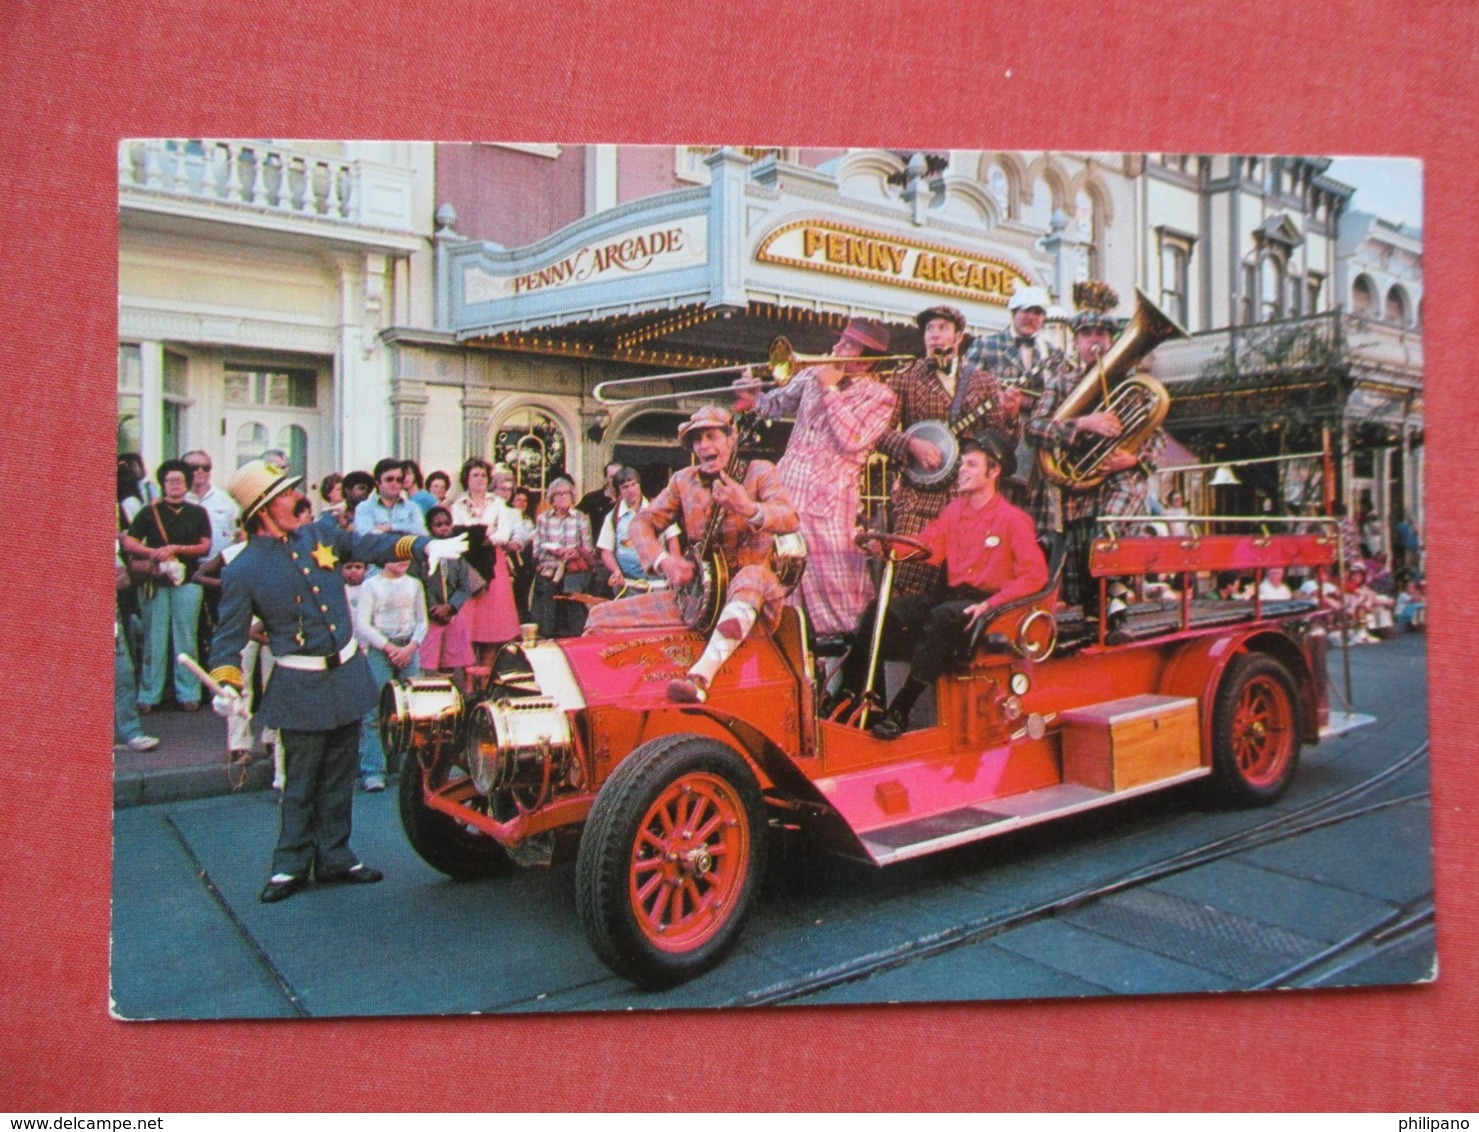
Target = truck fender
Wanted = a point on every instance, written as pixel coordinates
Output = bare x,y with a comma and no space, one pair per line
1197,669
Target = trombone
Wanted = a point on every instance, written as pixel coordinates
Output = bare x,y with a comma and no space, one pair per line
780,366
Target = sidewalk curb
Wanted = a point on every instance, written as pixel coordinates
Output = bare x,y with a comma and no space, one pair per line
184,784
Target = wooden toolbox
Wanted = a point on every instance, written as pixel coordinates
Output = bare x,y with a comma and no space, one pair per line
1121,744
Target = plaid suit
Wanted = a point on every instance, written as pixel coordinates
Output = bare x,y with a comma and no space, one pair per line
1075,513
834,434
1001,355
746,548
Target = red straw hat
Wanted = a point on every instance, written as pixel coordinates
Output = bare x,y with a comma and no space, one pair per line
868,334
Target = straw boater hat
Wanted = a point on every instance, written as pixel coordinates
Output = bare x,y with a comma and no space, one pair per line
256,484
710,416
950,314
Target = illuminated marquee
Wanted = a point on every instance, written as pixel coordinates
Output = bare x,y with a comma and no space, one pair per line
664,247
839,249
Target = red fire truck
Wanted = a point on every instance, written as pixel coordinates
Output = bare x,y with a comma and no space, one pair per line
1044,714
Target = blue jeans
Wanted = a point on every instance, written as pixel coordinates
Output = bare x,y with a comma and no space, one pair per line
371,753
170,612
126,723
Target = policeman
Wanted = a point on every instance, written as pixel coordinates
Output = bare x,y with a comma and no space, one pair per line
288,576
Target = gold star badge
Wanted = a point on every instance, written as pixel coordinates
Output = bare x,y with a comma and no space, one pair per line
325,556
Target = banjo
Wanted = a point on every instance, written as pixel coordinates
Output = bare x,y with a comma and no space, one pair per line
946,436
700,600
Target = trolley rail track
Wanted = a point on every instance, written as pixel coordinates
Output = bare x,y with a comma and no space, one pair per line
1391,930
259,953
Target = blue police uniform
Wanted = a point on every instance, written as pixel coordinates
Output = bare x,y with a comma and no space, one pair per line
293,584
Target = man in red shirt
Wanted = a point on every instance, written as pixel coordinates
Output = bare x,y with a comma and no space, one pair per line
992,558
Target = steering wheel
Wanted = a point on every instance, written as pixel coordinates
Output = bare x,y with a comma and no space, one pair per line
914,550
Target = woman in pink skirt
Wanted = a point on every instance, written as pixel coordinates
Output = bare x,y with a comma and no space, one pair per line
492,617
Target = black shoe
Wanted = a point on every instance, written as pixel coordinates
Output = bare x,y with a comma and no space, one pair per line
360,874
281,889
891,726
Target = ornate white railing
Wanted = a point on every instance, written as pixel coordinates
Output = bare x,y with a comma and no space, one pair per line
267,177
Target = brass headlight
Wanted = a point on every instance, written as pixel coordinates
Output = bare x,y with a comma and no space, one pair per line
423,711
523,743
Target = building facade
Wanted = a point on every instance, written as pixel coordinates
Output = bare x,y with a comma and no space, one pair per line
255,281
350,301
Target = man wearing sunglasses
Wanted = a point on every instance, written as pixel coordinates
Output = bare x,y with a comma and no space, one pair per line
388,509
225,518
225,514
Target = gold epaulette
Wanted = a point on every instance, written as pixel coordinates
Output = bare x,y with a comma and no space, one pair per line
406,547
226,674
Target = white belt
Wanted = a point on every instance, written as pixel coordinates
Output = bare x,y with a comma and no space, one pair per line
319,663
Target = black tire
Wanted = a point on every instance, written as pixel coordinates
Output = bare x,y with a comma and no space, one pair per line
1255,731
441,841
662,901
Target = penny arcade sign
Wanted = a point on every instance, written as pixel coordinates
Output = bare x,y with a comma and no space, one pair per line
859,253
654,248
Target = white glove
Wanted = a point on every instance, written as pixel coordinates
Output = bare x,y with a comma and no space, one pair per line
440,550
230,703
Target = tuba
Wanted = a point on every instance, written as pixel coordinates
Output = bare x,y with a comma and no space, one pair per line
1140,402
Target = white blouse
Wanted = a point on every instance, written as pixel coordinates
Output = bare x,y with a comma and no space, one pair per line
494,514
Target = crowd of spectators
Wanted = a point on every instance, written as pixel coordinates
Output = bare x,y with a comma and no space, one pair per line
531,560
1382,595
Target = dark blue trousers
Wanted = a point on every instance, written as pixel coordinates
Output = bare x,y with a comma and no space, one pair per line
318,801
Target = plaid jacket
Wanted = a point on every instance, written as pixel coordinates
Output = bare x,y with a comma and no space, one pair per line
834,434
1121,494
998,354
745,545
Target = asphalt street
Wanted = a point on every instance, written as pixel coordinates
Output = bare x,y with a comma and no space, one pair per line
190,939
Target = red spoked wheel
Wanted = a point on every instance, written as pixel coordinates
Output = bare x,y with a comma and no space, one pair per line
670,859
690,861
1255,730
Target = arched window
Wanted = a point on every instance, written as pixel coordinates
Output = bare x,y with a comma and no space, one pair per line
1175,255
1001,187
1397,306
532,444
1246,300
1042,204
251,441
1086,214
873,491
1363,297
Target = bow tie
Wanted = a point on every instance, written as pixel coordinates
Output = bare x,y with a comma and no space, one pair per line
1028,342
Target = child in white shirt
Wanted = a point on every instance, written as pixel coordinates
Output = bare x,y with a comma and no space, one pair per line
390,623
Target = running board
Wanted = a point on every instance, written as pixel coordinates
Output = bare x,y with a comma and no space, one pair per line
1001,815
1343,721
